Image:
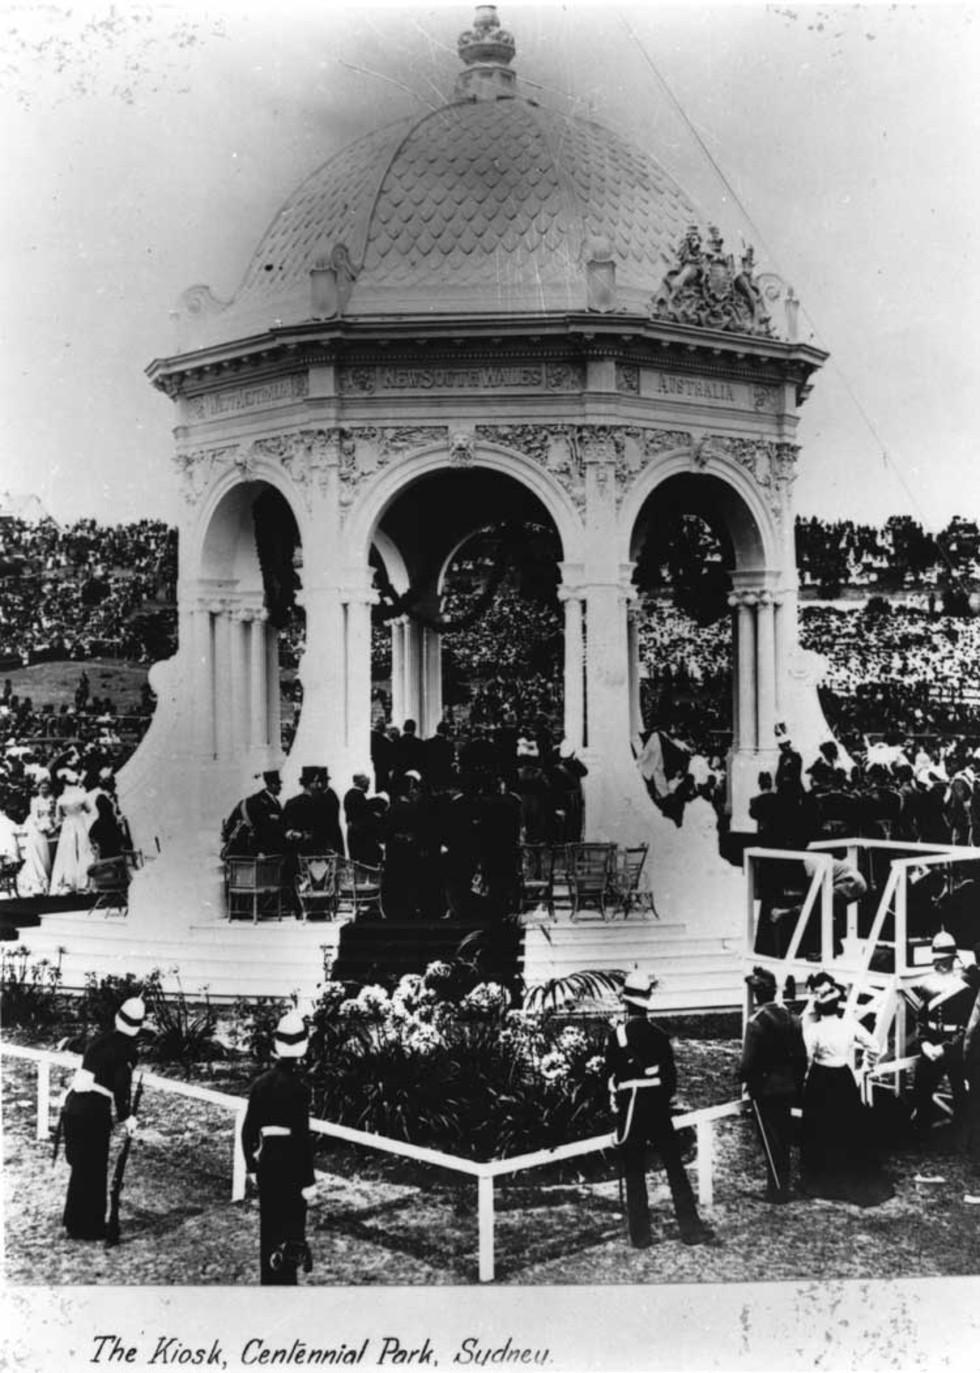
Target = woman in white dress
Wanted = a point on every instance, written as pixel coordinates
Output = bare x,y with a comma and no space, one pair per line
40,832
74,857
837,1155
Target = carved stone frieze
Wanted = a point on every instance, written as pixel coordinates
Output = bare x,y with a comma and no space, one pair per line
657,441
461,448
772,466
552,446
599,443
197,468
628,378
564,376
364,451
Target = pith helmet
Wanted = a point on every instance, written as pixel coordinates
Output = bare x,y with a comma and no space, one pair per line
130,1016
638,988
943,945
292,1037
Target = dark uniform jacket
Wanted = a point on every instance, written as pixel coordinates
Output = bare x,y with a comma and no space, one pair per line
774,1054
947,999
109,1058
279,1098
647,1047
316,818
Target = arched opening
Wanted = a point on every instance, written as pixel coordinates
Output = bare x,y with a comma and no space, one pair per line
467,626
703,682
249,624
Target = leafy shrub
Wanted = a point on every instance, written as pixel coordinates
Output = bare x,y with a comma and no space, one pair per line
253,1026
183,1031
30,994
103,996
472,1076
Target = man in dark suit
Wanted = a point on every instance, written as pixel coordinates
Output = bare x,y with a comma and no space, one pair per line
264,814
327,833
440,759
359,817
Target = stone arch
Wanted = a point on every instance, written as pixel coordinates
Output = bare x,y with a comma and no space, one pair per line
756,539
761,604
416,677
226,496
377,495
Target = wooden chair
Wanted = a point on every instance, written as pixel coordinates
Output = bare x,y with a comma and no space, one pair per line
591,871
537,874
358,888
253,887
9,868
316,886
630,863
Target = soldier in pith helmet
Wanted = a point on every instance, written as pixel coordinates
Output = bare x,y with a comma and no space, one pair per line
103,1081
773,1068
642,1080
279,1155
944,1000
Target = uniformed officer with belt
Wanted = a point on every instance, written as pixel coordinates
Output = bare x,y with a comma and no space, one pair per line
773,1068
946,999
104,1080
642,1079
279,1154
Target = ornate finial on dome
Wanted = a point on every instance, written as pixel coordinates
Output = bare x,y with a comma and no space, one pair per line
487,50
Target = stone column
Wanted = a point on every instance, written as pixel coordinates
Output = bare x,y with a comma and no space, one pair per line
397,670
273,712
413,672
574,667
259,699
357,713
633,668
431,681
781,625
322,670
202,687
765,671
747,736
238,694
223,668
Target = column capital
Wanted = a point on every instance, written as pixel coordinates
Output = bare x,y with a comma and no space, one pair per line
745,599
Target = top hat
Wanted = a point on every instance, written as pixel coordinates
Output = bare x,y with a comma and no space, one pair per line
762,980
272,776
308,776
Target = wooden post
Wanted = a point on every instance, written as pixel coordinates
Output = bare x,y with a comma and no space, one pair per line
238,1169
706,1162
485,1210
43,1098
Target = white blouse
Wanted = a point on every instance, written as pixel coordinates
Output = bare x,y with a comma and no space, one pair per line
830,1039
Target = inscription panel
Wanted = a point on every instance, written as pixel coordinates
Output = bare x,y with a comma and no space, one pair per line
238,398
402,379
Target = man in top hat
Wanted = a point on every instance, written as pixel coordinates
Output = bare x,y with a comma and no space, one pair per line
642,1080
773,1068
279,1156
264,811
311,826
945,997
103,1081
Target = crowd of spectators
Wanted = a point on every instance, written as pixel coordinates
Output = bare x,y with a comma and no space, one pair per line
82,591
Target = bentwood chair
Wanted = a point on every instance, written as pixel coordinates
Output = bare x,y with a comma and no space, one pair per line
254,888
358,888
630,863
316,886
538,878
591,870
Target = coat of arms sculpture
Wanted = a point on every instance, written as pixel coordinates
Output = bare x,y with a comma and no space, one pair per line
705,288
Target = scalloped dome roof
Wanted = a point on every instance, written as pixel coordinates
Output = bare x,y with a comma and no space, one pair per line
492,204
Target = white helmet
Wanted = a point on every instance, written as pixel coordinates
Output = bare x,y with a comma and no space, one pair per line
292,1036
130,1016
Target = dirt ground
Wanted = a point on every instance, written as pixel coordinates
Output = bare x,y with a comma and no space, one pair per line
55,683
382,1222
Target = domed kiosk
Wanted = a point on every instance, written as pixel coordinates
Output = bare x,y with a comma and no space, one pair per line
489,306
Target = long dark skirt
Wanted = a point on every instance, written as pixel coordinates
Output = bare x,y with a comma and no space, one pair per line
837,1157
282,1216
87,1126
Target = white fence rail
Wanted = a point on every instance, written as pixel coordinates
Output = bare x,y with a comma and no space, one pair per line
703,1121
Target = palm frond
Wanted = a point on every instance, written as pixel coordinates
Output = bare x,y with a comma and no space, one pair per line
561,992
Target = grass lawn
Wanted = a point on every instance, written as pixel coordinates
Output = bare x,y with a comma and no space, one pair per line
377,1221
55,683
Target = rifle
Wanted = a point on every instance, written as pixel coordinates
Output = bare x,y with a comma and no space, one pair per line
57,1135
115,1191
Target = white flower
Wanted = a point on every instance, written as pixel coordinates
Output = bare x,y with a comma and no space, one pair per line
487,997
554,1066
373,998
572,1041
595,1066
423,1039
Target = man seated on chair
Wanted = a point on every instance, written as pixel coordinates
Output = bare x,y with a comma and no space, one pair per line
263,812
